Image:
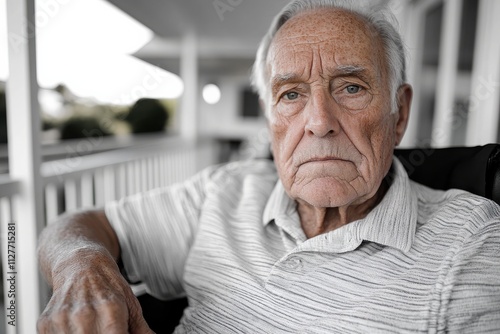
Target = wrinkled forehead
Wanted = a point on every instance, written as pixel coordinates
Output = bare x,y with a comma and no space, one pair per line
341,37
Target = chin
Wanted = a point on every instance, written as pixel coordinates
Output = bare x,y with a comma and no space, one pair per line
326,192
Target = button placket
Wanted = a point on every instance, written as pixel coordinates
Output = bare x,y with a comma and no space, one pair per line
294,263
278,281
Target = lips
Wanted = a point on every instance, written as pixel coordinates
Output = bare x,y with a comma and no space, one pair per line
321,159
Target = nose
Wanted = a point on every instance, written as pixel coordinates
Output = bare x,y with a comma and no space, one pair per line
321,115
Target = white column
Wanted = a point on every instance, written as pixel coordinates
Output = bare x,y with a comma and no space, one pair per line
24,157
412,28
442,128
482,125
189,75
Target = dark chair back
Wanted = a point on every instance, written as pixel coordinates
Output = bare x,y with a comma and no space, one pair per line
475,169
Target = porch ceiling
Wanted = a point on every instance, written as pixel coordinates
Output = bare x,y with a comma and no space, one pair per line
228,31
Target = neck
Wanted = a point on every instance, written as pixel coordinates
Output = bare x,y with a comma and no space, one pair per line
316,221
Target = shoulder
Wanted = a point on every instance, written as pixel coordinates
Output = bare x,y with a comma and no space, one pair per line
457,211
239,172
250,182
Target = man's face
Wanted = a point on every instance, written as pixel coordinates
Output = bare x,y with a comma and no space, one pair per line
332,129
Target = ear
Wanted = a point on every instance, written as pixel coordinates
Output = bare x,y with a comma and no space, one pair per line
404,96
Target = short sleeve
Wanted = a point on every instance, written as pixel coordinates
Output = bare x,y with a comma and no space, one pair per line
156,229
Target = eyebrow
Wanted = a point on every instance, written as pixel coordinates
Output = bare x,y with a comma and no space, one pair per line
338,71
283,78
344,70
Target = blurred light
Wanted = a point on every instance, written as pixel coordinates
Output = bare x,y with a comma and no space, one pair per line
51,102
211,94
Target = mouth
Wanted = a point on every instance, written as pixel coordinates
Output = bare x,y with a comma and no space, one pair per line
322,159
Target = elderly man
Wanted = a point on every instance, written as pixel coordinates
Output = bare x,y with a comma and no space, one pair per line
330,238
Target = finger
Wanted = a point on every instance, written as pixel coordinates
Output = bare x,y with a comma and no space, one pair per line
113,327
43,325
74,321
50,323
113,318
83,321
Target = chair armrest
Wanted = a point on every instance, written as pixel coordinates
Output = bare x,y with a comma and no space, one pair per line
493,175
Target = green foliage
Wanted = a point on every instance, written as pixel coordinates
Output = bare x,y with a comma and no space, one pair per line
49,123
147,115
46,124
82,127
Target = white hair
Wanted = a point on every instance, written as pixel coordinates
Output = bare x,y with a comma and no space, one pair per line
377,15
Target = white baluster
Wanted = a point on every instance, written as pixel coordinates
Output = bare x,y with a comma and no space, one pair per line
99,188
51,203
70,195
87,186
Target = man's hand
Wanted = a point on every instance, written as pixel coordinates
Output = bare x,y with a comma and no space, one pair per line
91,296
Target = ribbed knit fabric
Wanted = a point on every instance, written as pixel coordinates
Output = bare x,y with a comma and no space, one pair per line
423,261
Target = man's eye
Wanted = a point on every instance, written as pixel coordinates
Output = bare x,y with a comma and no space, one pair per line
291,95
353,89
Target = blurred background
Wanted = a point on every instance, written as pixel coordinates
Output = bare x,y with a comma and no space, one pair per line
102,99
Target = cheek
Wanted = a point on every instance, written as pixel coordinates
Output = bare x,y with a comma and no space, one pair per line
380,137
383,135
374,139
278,133
286,134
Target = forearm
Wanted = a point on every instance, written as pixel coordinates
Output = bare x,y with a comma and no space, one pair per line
75,240
78,256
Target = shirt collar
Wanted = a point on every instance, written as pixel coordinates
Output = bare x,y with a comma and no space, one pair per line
283,211
392,222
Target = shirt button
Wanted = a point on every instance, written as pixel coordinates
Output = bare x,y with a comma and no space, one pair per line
294,263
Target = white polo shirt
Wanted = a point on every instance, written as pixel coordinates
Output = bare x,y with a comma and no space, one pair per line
230,239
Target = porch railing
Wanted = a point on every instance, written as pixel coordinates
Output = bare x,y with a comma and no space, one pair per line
90,181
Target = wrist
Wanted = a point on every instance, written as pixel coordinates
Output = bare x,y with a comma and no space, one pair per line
80,261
